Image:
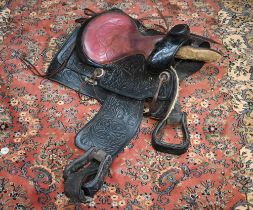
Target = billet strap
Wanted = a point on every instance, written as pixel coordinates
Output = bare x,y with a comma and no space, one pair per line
167,147
85,175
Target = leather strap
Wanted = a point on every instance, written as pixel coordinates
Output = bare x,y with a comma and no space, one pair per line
166,147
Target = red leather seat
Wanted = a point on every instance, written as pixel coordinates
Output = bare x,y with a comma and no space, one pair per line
111,36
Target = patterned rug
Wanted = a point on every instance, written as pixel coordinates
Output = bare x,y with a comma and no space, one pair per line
39,119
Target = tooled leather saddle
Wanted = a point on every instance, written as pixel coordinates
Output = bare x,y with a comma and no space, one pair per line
124,65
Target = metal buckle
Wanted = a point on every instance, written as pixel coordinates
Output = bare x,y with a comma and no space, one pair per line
90,81
99,72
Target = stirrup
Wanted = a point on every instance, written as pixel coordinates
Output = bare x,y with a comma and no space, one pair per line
176,149
85,175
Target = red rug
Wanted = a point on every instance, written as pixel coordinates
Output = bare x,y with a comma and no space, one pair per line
39,119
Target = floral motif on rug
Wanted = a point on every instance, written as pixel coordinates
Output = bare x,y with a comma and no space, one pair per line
39,119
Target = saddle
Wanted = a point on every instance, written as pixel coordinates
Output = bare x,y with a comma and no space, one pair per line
132,71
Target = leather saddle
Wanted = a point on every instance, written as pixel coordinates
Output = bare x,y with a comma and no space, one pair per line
125,66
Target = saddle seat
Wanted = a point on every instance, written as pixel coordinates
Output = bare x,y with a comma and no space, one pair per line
114,35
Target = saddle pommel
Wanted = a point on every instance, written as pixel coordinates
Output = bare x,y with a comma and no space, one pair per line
165,50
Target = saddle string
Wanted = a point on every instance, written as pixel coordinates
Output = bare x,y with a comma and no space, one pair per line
203,38
153,17
160,28
80,20
29,65
35,71
87,14
163,18
157,26
175,96
47,75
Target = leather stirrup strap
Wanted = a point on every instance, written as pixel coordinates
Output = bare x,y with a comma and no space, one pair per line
166,147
